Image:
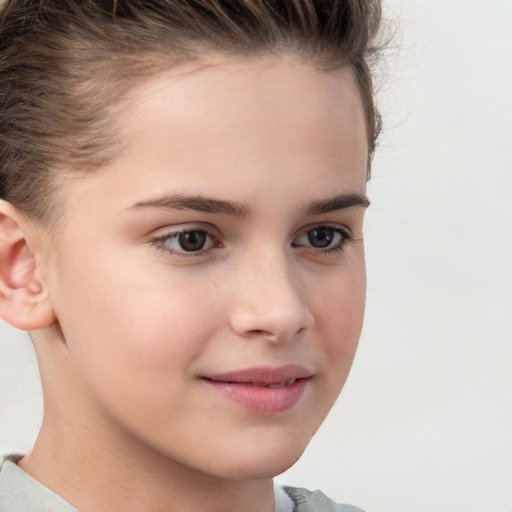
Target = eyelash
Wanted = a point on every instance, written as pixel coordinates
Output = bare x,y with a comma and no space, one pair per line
162,242
344,233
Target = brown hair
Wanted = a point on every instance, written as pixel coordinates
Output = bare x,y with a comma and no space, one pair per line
65,64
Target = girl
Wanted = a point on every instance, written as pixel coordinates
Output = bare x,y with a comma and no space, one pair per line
182,197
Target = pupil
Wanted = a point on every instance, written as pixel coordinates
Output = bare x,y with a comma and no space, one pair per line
192,240
320,237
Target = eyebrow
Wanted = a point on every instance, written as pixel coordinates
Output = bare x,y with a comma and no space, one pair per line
339,202
209,205
197,203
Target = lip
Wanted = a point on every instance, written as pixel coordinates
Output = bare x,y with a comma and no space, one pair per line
264,390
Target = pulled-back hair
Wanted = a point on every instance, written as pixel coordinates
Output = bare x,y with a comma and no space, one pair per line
66,64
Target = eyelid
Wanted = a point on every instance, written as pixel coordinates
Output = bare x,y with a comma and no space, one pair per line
328,225
345,233
160,240
172,229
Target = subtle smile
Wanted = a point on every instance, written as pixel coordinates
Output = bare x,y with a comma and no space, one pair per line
263,390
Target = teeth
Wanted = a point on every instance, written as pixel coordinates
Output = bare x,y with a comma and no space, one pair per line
288,382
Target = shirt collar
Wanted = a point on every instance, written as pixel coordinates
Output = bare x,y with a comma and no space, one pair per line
19,492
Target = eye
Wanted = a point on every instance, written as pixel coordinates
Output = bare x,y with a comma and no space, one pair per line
185,242
324,238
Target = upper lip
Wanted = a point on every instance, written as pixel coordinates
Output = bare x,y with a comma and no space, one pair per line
262,374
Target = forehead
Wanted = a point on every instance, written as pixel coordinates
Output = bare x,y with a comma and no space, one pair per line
230,97
239,125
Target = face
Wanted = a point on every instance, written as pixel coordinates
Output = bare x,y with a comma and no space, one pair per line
210,283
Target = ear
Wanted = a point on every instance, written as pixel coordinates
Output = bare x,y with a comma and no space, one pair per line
24,299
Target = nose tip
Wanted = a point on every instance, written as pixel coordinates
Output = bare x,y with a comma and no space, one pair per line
275,327
270,307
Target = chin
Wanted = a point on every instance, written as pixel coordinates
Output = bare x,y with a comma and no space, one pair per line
264,452
262,462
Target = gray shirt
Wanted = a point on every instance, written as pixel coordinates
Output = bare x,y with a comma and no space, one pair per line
19,492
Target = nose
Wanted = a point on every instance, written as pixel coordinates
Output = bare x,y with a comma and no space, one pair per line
268,301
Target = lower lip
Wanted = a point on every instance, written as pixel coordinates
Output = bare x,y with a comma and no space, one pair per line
261,399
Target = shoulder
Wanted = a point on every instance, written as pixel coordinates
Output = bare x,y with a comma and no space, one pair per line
315,501
19,492
14,457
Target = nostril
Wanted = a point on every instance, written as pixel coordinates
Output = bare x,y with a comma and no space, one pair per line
261,333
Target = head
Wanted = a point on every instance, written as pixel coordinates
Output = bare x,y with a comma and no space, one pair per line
183,188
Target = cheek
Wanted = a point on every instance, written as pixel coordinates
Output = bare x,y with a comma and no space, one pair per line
132,340
339,313
121,320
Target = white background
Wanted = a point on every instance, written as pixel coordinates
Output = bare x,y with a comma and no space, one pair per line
425,422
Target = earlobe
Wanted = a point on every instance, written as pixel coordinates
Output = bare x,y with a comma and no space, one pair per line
24,300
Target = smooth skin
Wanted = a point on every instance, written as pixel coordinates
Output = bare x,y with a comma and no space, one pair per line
140,295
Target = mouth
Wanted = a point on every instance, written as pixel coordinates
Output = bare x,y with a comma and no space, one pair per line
262,390
288,382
